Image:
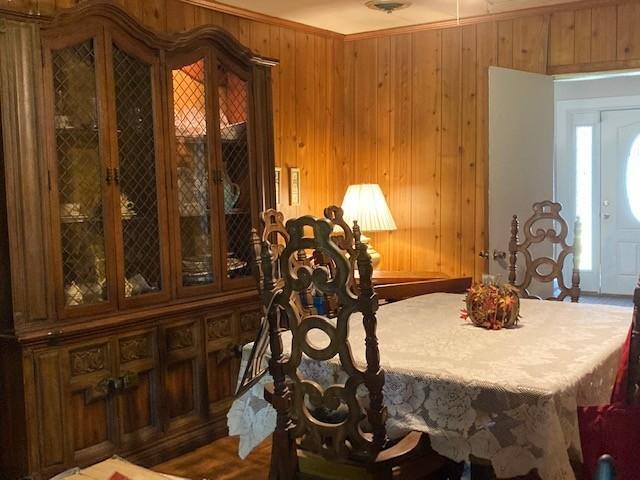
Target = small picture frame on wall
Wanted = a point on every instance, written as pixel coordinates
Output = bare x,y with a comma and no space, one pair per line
294,187
277,177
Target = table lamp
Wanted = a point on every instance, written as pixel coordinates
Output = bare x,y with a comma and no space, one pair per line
365,203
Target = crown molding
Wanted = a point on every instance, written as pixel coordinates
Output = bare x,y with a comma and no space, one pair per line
263,18
22,16
490,17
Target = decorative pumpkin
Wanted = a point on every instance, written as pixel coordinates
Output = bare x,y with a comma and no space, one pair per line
492,306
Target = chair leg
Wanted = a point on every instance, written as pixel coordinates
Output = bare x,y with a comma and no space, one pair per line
482,472
455,470
284,457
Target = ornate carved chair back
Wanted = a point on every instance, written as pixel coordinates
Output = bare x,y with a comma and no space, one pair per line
634,352
274,231
328,421
544,213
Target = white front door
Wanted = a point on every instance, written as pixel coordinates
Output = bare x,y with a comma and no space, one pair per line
521,119
620,201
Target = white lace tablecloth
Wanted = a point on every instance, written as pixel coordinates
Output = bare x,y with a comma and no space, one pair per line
507,396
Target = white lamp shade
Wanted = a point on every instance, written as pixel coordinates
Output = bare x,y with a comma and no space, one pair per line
365,203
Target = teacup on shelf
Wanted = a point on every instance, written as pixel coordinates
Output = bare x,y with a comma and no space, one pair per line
70,210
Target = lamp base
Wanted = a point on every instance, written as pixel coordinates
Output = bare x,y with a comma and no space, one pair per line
373,253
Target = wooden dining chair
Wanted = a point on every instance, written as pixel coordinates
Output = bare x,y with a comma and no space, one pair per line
331,429
549,212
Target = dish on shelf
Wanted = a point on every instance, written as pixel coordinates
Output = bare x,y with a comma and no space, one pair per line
237,211
81,293
127,211
234,263
137,285
196,266
233,131
197,278
63,122
74,218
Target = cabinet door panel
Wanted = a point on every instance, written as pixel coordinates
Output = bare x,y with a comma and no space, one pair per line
183,374
136,406
237,194
90,422
222,361
92,410
138,399
80,207
191,114
50,405
139,175
181,389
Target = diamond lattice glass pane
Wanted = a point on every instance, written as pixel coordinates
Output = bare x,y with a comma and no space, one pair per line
137,174
79,175
189,108
233,96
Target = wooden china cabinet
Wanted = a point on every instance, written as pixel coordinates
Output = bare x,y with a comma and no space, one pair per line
134,166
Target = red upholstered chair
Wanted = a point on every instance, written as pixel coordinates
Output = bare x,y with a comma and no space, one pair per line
614,429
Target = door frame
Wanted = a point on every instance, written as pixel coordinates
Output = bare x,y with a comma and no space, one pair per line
567,114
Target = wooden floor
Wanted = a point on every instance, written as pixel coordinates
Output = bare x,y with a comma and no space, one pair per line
219,461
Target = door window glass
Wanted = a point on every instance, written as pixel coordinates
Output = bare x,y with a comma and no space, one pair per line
633,178
584,192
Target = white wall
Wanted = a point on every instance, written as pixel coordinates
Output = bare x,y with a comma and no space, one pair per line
602,87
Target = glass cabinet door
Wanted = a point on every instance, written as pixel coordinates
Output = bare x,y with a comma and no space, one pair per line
136,175
80,189
197,267
235,171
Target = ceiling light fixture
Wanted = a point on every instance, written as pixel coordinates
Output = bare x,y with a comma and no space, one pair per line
387,6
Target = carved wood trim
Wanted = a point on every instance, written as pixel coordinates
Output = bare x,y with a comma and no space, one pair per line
88,360
180,338
250,321
263,18
478,19
218,328
135,348
545,211
110,12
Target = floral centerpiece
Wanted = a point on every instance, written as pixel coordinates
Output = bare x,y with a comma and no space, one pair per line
492,306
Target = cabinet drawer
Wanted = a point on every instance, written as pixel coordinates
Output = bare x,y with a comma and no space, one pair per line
183,372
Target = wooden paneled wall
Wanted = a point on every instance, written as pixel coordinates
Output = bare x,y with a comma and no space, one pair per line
406,110
604,37
418,107
417,117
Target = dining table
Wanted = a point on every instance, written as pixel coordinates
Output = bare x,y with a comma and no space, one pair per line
506,397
